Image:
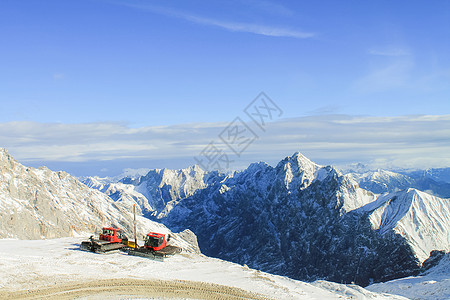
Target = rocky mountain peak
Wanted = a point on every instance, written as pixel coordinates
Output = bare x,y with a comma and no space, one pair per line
298,171
301,162
5,158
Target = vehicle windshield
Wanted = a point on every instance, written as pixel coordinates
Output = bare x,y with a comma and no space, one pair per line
152,241
108,232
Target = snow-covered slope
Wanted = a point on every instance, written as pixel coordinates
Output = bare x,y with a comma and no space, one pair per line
434,284
423,220
56,268
39,203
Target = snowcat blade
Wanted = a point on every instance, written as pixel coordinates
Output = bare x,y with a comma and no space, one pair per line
86,246
131,244
99,246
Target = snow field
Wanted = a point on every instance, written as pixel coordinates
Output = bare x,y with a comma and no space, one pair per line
37,264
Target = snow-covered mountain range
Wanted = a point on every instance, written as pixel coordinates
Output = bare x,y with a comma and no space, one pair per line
306,221
300,219
383,181
157,192
40,203
437,174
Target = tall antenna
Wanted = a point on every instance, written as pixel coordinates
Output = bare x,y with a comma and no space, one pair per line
135,239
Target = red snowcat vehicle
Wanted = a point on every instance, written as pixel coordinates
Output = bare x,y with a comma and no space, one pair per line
109,240
155,247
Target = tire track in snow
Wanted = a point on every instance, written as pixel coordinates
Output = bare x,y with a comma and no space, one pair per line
131,287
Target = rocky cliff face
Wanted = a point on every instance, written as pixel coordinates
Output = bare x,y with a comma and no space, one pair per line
39,203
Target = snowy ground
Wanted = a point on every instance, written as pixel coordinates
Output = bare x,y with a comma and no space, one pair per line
39,264
433,285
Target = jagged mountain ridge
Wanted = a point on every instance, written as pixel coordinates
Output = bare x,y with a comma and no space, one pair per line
157,192
40,203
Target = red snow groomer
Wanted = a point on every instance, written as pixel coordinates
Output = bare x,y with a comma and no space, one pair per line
109,240
155,247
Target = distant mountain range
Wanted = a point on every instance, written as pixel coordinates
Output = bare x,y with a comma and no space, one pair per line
382,181
298,219
157,192
437,174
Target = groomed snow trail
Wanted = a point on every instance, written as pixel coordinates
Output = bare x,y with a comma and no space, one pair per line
117,288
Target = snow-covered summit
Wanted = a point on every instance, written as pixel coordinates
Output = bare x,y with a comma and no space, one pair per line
6,160
282,217
299,167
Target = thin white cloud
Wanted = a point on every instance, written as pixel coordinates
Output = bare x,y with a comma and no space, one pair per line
260,29
389,51
393,68
394,74
252,28
391,142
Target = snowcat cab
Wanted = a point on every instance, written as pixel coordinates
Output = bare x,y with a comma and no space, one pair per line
155,241
155,247
113,235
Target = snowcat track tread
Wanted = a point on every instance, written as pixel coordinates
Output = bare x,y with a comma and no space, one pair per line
99,246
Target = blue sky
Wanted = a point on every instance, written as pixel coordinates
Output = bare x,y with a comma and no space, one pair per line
157,64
